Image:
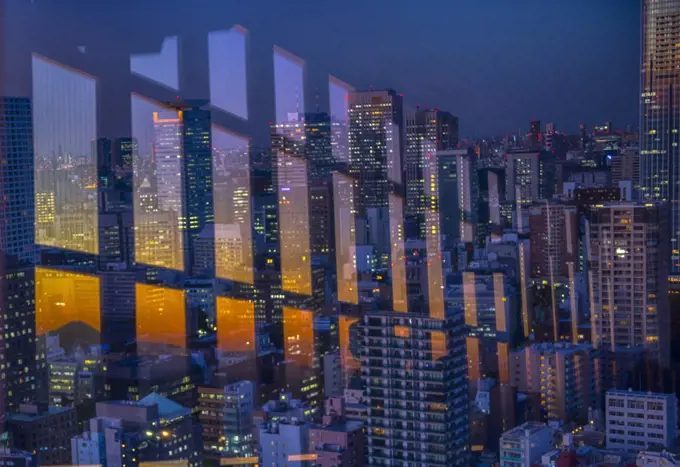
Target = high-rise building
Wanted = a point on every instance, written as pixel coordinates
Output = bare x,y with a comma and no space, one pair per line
491,195
566,376
641,420
17,255
197,173
554,255
414,372
660,113
427,131
225,415
16,180
458,195
628,269
375,145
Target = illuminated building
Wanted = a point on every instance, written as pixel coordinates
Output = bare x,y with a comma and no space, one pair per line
225,414
491,194
529,177
628,269
375,145
414,368
566,377
660,112
427,131
45,431
489,298
123,152
125,433
458,195
554,264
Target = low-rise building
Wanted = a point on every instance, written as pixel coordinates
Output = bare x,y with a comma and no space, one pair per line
524,446
640,420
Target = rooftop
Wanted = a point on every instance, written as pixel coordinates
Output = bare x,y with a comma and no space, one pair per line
524,430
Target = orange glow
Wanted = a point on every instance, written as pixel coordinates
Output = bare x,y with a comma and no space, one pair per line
470,298
397,253
435,271
345,239
296,271
161,320
66,205
235,325
298,336
438,341
503,349
402,331
499,301
62,298
473,353
157,198
347,361
301,457
232,200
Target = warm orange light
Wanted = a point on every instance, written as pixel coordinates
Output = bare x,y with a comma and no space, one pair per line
302,457
158,201
296,271
397,253
161,320
298,334
235,326
347,361
402,331
473,353
63,298
232,200
345,238
438,341
435,270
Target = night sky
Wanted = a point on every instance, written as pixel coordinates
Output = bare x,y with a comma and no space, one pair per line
495,63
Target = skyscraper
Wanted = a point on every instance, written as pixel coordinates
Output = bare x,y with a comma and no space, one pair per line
660,112
628,269
375,145
458,193
17,255
427,131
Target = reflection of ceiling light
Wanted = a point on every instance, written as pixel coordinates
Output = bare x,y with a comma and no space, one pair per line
621,251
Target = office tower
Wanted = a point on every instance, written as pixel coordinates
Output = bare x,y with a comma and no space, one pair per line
641,420
17,255
123,151
414,373
626,166
197,173
554,265
225,415
44,430
523,446
491,195
427,131
529,177
308,136
458,196
375,145
565,377
16,175
102,152
660,113
151,430
628,269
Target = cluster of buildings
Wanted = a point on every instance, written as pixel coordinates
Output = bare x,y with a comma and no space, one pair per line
365,288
